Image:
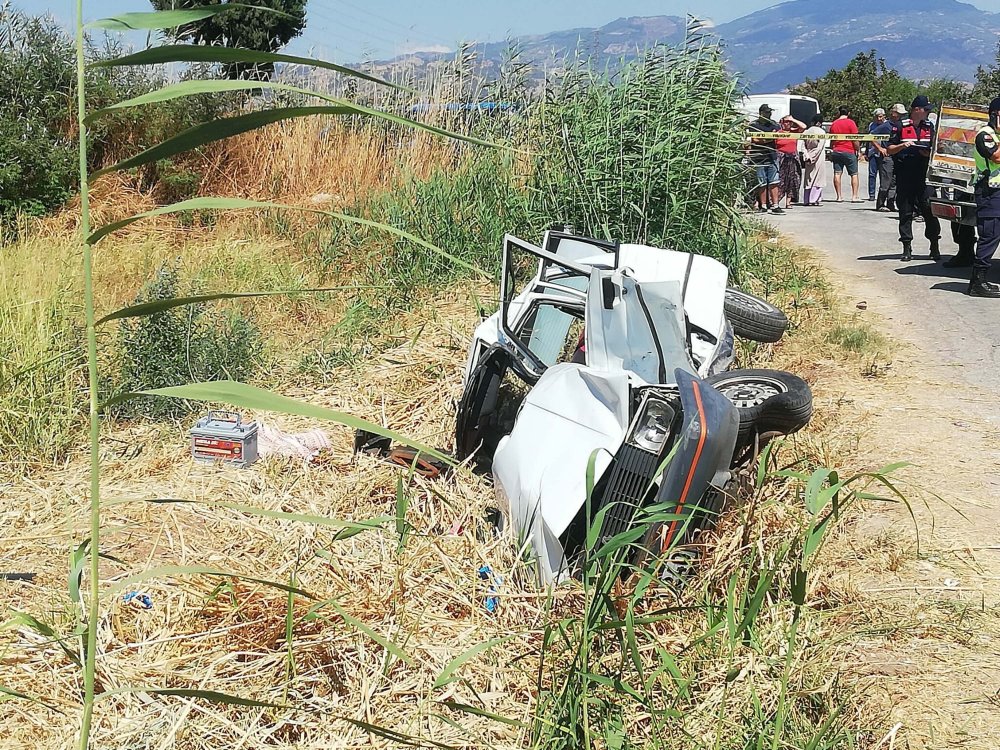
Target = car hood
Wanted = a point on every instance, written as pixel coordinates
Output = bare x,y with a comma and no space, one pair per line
571,413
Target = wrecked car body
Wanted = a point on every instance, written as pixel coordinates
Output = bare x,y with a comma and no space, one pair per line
603,362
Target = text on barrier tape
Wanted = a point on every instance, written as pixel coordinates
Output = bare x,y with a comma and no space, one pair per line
817,136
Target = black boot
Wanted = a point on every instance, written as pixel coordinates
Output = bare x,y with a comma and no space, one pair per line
907,251
935,251
962,260
980,287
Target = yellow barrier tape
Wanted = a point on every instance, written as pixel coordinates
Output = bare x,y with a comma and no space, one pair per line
817,136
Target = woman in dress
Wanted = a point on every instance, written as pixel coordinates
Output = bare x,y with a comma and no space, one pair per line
814,157
789,168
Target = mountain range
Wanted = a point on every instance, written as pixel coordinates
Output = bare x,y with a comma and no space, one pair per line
779,46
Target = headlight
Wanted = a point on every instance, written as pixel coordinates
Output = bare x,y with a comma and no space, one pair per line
651,427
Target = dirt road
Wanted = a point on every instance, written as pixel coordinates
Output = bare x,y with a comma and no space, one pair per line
921,301
934,636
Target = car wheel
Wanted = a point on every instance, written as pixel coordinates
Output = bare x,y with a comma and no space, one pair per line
753,318
768,401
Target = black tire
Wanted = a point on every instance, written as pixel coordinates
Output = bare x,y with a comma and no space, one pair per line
753,318
768,401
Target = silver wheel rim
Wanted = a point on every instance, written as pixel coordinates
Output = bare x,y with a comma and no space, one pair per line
751,392
748,301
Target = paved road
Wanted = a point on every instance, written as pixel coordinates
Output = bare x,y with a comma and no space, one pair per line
921,301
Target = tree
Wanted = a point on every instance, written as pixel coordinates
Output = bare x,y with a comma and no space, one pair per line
866,82
250,28
987,85
945,90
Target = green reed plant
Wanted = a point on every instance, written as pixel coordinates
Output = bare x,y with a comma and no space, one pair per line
651,154
466,209
607,678
42,366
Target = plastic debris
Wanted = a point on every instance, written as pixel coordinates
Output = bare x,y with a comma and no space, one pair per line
138,600
272,441
492,601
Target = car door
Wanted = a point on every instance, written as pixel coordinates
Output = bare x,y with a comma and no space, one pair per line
543,302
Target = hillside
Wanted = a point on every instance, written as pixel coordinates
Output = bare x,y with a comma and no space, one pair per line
775,47
607,45
922,39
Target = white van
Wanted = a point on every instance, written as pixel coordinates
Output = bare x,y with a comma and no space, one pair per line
802,108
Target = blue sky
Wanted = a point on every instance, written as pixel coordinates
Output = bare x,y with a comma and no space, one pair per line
348,29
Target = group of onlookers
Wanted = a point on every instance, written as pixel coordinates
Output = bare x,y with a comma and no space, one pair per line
898,149
787,167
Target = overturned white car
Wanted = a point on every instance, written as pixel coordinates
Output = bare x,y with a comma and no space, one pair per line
617,352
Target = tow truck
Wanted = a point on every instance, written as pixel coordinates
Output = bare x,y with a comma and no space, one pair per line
952,168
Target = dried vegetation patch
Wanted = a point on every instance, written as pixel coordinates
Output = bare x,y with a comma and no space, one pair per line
387,638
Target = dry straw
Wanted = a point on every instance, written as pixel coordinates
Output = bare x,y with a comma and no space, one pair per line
229,635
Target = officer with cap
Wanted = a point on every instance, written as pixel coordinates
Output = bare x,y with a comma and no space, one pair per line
886,198
910,147
987,204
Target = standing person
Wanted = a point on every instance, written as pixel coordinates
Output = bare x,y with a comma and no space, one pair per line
844,154
886,200
873,154
987,204
789,167
965,237
910,147
814,156
765,158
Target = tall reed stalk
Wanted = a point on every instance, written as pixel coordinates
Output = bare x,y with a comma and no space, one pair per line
233,393
93,604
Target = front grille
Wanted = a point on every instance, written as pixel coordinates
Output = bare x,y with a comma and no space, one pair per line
627,484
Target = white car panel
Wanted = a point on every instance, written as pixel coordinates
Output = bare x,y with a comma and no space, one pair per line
705,292
571,412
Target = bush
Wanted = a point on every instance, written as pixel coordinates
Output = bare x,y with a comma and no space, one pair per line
38,169
179,345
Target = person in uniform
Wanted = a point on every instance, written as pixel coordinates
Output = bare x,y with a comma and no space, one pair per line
886,198
987,205
910,148
965,237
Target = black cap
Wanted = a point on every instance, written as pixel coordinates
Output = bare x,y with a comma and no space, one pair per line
921,101
995,105
765,109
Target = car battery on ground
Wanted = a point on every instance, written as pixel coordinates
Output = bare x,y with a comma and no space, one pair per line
224,436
